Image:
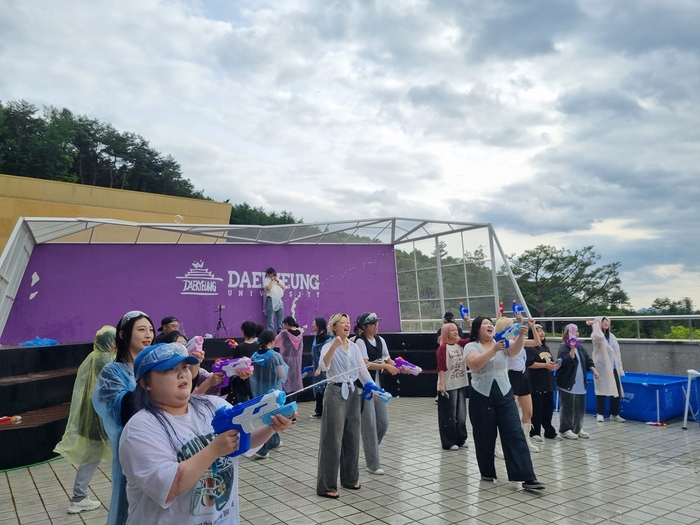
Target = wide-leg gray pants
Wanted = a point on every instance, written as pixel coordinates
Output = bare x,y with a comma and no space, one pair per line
375,422
339,445
573,409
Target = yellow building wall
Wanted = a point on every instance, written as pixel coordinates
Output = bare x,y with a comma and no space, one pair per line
27,197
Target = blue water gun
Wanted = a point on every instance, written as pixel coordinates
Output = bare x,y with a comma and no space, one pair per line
246,417
508,334
463,311
306,371
371,389
517,309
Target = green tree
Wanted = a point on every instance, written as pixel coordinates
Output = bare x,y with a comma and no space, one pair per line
62,146
245,214
557,282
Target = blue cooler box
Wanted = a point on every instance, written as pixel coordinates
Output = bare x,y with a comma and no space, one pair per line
648,397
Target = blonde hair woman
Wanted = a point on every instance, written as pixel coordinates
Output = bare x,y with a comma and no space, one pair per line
339,445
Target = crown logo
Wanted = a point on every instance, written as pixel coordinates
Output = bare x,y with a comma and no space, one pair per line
199,264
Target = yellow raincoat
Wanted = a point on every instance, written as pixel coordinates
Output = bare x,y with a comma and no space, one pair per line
85,440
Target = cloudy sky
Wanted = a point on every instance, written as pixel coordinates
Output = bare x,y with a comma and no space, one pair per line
561,122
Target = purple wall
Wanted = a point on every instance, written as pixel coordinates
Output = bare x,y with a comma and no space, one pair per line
69,291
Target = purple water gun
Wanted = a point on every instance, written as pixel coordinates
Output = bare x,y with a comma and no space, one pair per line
231,367
573,335
406,367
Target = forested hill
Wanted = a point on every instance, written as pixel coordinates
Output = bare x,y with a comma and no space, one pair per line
58,145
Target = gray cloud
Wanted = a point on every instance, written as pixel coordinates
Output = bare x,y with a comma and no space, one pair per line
573,120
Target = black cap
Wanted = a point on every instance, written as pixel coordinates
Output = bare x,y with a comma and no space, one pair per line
166,320
448,315
368,318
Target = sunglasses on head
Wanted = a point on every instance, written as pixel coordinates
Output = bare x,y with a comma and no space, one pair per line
128,316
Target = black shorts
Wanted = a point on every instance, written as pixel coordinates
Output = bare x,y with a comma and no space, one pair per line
520,382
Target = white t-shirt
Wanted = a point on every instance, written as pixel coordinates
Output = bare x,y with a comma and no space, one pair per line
363,352
275,293
150,462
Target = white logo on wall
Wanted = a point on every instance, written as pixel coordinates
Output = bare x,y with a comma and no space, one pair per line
199,281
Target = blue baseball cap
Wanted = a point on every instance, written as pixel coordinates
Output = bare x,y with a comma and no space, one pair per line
163,356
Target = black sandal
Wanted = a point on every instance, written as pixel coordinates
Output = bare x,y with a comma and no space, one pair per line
356,486
329,495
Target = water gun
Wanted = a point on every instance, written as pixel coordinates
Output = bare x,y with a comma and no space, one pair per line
195,344
508,334
246,417
306,371
404,366
11,419
371,389
573,335
517,309
463,311
231,343
500,309
231,367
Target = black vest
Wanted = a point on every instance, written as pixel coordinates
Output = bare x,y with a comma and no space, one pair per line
374,353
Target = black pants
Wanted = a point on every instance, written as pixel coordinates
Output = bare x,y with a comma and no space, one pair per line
319,403
499,413
452,418
614,401
542,409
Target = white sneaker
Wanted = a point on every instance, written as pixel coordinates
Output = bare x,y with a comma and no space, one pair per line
583,435
569,435
83,505
600,418
454,447
378,472
558,437
619,419
464,445
537,439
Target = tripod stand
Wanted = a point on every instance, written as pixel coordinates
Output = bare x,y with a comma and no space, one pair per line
220,323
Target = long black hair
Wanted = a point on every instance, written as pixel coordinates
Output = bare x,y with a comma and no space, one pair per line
322,335
265,338
476,328
125,328
200,404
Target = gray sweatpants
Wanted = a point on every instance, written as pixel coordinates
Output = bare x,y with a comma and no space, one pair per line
375,422
339,445
573,409
83,476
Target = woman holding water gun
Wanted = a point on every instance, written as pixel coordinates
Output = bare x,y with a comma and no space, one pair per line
113,399
270,372
178,471
339,444
453,383
571,381
492,407
375,414
519,379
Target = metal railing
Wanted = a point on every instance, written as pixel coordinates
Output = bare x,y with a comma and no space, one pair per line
553,322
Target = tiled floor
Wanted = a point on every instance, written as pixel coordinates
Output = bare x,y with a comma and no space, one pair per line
627,473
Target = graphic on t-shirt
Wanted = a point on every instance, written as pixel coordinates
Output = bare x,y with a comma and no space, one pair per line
546,357
213,490
454,356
